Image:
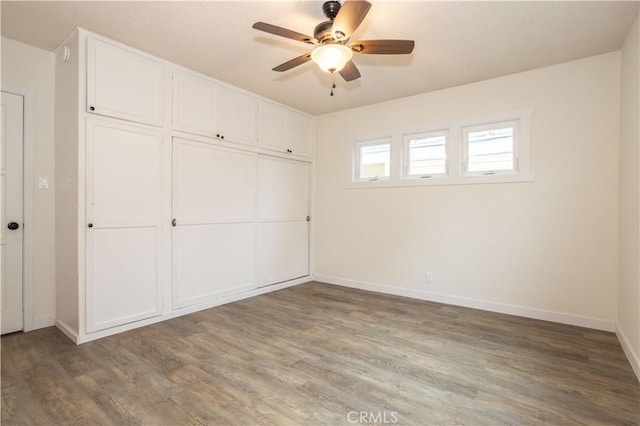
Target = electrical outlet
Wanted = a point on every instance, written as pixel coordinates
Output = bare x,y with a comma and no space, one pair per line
428,278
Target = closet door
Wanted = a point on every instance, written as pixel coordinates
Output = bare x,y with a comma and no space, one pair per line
124,244
213,236
124,84
283,229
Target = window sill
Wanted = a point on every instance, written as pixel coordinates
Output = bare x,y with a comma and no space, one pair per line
440,181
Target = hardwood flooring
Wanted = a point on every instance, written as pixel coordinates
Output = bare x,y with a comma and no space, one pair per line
321,354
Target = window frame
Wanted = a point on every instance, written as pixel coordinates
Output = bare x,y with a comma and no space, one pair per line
465,130
406,154
357,157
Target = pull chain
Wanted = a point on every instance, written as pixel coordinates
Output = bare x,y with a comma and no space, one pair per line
333,85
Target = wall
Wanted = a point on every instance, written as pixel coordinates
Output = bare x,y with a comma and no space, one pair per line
629,197
28,68
546,249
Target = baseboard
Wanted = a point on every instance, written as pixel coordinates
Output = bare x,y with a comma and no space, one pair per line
68,331
84,338
43,322
633,357
521,311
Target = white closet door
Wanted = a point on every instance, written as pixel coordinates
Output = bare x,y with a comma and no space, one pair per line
283,230
123,216
124,84
283,189
283,251
214,233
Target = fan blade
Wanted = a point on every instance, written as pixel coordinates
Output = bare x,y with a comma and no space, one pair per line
383,47
349,17
293,63
350,72
283,32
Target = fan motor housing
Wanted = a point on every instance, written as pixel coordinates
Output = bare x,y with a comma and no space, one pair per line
323,33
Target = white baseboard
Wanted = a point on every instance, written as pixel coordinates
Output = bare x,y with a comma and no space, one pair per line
83,338
68,331
521,311
43,322
634,358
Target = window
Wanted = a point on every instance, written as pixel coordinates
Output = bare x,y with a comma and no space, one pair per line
373,160
495,148
425,155
491,148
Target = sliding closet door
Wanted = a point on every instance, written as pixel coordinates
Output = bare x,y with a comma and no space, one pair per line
214,233
283,229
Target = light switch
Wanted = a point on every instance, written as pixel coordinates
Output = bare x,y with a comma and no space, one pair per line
43,182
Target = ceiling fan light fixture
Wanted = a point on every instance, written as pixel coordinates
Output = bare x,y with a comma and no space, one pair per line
331,57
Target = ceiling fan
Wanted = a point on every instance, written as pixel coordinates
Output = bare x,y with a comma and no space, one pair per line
333,50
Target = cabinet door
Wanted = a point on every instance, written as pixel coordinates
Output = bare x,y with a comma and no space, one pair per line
272,126
124,84
298,133
214,205
284,130
283,230
124,243
194,104
237,112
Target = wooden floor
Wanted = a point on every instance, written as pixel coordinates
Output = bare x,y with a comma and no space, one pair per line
321,354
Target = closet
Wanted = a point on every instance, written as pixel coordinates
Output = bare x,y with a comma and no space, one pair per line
176,192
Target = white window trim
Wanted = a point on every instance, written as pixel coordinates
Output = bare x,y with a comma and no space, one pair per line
455,153
406,167
515,124
356,146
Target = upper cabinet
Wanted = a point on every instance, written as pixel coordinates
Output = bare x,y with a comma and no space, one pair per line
124,84
284,130
203,107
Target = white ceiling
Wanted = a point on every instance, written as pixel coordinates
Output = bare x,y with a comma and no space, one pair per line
456,42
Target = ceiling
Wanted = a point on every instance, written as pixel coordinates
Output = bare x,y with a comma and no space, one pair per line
456,42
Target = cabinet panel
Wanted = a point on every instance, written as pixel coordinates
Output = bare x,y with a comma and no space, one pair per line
283,251
283,189
122,276
271,126
211,261
124,84
123,175
237,113
298,133
212,184
284,130
194,104
124,200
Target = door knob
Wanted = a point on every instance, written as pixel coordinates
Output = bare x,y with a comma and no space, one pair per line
13,226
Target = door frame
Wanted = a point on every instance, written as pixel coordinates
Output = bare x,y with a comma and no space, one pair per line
27,197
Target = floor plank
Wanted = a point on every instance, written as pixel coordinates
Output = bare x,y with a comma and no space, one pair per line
322,354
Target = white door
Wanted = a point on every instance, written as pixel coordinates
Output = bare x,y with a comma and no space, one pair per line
124,244
11,187
213,234
283,229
